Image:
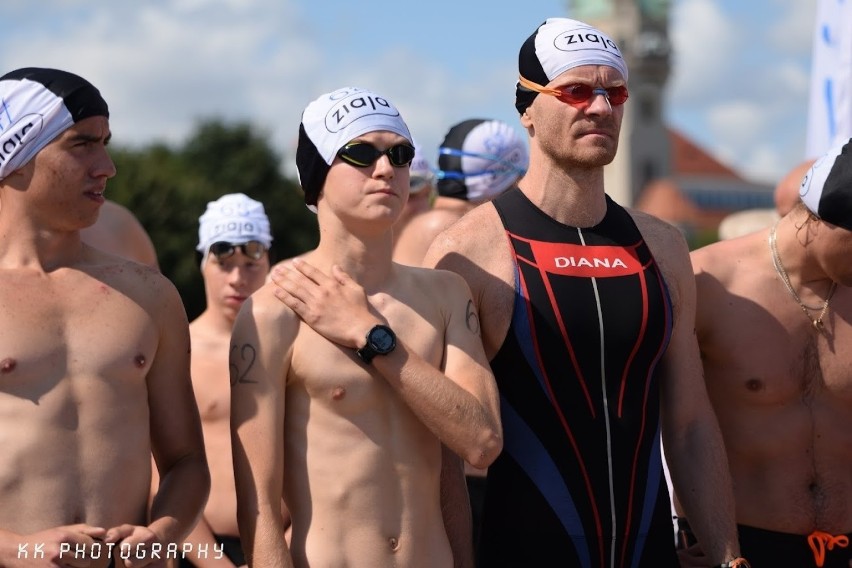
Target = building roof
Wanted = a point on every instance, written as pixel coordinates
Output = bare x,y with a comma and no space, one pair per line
689,159
701,190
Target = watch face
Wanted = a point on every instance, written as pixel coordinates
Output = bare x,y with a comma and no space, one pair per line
382,340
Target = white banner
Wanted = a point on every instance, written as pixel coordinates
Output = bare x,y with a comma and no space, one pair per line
830,109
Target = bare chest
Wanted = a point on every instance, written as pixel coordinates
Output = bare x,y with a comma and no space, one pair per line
334,377
773,354
211,381
87,329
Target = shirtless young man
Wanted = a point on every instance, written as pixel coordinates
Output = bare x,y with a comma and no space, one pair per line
774,325
350,429
94,350
233,243
477,160
588,319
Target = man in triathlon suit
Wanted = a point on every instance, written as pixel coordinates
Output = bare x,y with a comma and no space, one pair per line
587,316
773,323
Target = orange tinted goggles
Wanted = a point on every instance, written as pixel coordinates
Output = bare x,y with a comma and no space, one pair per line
578,93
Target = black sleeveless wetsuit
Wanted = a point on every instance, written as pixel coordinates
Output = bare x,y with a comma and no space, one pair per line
580,480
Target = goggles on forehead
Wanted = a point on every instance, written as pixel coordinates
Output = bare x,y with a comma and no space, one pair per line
364,154
579,94
252,249
501,165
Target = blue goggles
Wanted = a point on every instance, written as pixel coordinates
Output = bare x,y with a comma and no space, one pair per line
504,165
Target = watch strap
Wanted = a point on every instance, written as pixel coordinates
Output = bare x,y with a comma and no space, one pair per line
366,353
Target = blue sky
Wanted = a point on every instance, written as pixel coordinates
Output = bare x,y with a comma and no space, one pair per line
739,85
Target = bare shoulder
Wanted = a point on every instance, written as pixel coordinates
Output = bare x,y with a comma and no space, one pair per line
116,216
119,232
477,249
668,245
706,259
429,224
738,267
139,281
671,254
660,235
440,297
414,238
720,258
264,306
284,262
475,238
434,283
266,319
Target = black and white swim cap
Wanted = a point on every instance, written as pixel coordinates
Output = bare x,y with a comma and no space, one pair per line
479,159
560,44
826,189
330,122
36,106
235,218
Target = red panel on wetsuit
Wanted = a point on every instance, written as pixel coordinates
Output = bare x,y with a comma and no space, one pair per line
585,261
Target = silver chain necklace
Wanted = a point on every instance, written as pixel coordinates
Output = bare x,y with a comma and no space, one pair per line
779,268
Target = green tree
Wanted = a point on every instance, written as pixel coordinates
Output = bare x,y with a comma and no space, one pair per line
169,188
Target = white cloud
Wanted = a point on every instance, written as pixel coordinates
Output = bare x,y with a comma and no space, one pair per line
705,46
740,82
739,129
163,64
793,32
